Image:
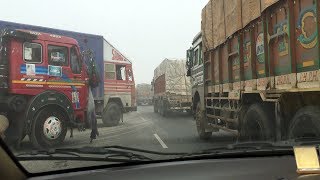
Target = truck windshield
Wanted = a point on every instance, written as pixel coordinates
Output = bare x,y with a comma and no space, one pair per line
58,55
75,61
121,72
174,77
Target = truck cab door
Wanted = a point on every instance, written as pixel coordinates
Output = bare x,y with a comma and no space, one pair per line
79,77
63,78
131,84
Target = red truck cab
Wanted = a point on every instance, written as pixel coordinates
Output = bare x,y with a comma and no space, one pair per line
43,86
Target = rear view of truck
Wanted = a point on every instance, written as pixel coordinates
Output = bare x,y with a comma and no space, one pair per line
172,88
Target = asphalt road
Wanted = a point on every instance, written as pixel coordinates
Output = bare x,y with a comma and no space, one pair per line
144,129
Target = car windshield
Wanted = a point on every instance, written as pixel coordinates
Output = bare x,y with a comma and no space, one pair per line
89,83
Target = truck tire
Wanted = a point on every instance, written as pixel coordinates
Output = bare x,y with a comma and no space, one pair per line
305,123
49,128
112,114
160,105
200,124
257,124
163,109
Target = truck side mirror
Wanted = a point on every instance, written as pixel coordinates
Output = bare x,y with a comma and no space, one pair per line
189,62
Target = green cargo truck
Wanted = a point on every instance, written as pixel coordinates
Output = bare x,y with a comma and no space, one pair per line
260,69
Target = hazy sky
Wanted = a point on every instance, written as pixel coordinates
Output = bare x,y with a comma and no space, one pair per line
146,31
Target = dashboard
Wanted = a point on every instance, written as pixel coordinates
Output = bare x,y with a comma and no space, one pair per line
277,168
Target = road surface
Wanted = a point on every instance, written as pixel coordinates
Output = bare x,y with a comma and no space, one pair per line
145,129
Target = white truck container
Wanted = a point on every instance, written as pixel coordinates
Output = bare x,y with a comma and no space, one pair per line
172,88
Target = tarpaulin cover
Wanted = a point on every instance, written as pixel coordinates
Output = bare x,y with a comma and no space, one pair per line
222,18
203,30
232,9
209,25
219,27
176,81
250,11
266,3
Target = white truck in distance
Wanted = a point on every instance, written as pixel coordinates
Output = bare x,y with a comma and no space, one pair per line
172,88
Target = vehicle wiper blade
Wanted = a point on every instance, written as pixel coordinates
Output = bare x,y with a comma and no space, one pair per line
106,153
83,154
143,150
257,145
244,148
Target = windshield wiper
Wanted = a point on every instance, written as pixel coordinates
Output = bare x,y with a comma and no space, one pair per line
106,153
255,148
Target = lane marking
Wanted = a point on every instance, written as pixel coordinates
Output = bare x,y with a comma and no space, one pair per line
160,141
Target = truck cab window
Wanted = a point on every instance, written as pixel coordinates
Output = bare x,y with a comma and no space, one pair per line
32,52
130,78
75,61
109,71
200,55
121,72
58,55
196,57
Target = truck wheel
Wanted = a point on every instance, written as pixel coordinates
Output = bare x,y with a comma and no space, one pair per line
112,114
257,125
200,124
49,128
305,123
163,109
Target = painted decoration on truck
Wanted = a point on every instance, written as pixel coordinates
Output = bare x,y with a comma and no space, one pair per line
75,97
247,51
55,71
307,28
39,70
111,54
283,45
260,48
30,69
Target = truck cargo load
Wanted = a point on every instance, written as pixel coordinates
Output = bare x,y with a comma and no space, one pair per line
172,89
171,77
262,81
221,18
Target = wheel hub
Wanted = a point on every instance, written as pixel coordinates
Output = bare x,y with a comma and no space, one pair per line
52,127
